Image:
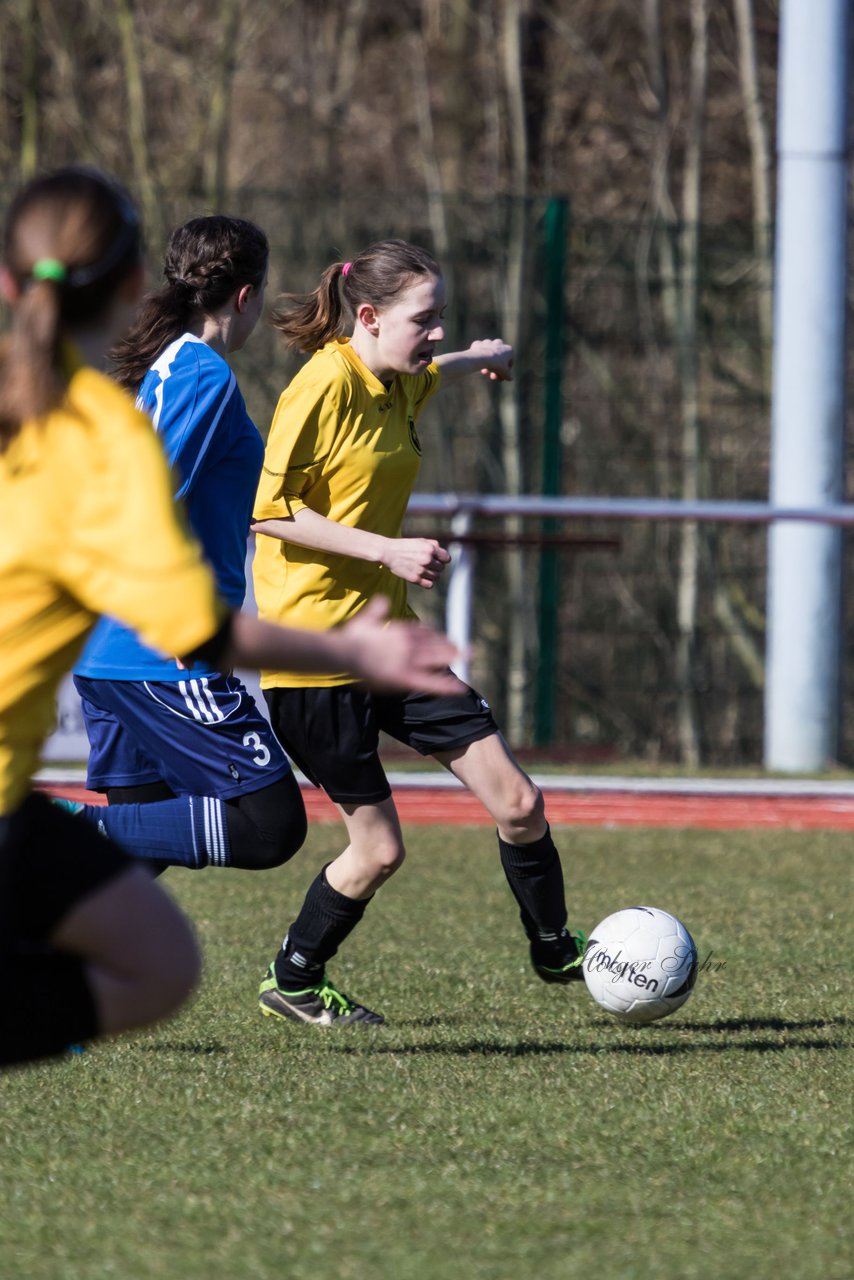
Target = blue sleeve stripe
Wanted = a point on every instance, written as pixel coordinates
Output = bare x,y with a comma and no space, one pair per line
229,392
164,366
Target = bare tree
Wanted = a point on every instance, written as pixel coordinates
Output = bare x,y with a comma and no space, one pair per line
219,117
336,68
29,147
677,243
61,32
510,408
760,171
437,201
142,168
688,355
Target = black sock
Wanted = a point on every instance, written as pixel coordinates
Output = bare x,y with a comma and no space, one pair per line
33,1027
535,877
326,918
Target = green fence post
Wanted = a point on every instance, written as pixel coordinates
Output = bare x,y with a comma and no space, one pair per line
556,234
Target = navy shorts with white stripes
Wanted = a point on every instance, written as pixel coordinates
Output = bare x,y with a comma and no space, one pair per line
201,736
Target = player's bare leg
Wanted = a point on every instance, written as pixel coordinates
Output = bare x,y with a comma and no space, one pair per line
375,850
530,860
296,986
141,957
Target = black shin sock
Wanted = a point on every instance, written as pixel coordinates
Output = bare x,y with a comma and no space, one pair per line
535,877
326,918
32,1026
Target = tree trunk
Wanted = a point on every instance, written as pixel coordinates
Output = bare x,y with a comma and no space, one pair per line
726,595
509,405
436,204
760,172
219,118
689,551
29,152
143,172
339,67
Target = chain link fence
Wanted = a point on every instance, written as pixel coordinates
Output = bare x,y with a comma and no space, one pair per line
662,389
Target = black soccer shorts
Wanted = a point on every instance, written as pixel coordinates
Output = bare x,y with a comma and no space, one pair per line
332,734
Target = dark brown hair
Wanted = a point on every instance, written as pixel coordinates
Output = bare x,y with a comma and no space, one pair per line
207,261
70,239
378,276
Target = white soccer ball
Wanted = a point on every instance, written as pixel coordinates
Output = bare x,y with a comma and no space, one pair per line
640,964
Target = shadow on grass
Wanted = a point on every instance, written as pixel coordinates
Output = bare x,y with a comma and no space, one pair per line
184,1046
760,1024
697,1043
488,1048
485,1049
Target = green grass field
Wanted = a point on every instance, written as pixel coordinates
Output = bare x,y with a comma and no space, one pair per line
496,1128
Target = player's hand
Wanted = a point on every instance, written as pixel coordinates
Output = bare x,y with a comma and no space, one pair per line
417,560
497,358
399,655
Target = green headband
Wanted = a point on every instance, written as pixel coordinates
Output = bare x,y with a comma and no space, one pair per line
49,269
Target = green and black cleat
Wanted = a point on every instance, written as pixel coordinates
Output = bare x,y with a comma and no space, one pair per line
560,960
322,1005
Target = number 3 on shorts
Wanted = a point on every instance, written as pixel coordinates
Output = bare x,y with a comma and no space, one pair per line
253,740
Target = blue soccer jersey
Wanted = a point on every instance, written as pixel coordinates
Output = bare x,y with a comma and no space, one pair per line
216,454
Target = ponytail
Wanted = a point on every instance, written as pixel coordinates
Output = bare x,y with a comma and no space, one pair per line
378,275
32,379
70,240
313,319
164,316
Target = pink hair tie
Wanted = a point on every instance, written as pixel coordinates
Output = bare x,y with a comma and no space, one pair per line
346,268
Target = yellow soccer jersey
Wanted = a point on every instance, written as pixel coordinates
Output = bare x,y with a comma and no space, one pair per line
87,526
344,445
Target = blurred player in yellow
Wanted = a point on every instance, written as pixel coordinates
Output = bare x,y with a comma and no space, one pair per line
89,943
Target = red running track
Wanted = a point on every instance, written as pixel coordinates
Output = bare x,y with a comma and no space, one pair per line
453,806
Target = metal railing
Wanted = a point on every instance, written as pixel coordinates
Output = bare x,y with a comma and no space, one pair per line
464,509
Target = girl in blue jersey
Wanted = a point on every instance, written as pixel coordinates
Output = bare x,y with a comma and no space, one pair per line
193,740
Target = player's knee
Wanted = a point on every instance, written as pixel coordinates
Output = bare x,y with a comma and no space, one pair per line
263,850
376,858
266,828
522,808
388,857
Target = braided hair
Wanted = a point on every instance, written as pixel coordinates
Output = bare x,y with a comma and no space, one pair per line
207,261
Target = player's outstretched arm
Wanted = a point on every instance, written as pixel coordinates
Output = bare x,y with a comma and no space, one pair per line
398,655
490,356
417,560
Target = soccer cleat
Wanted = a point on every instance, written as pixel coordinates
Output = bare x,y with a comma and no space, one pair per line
561,960
322,1005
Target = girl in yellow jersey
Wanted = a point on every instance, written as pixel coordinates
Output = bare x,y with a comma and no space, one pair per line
89,944
341,460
